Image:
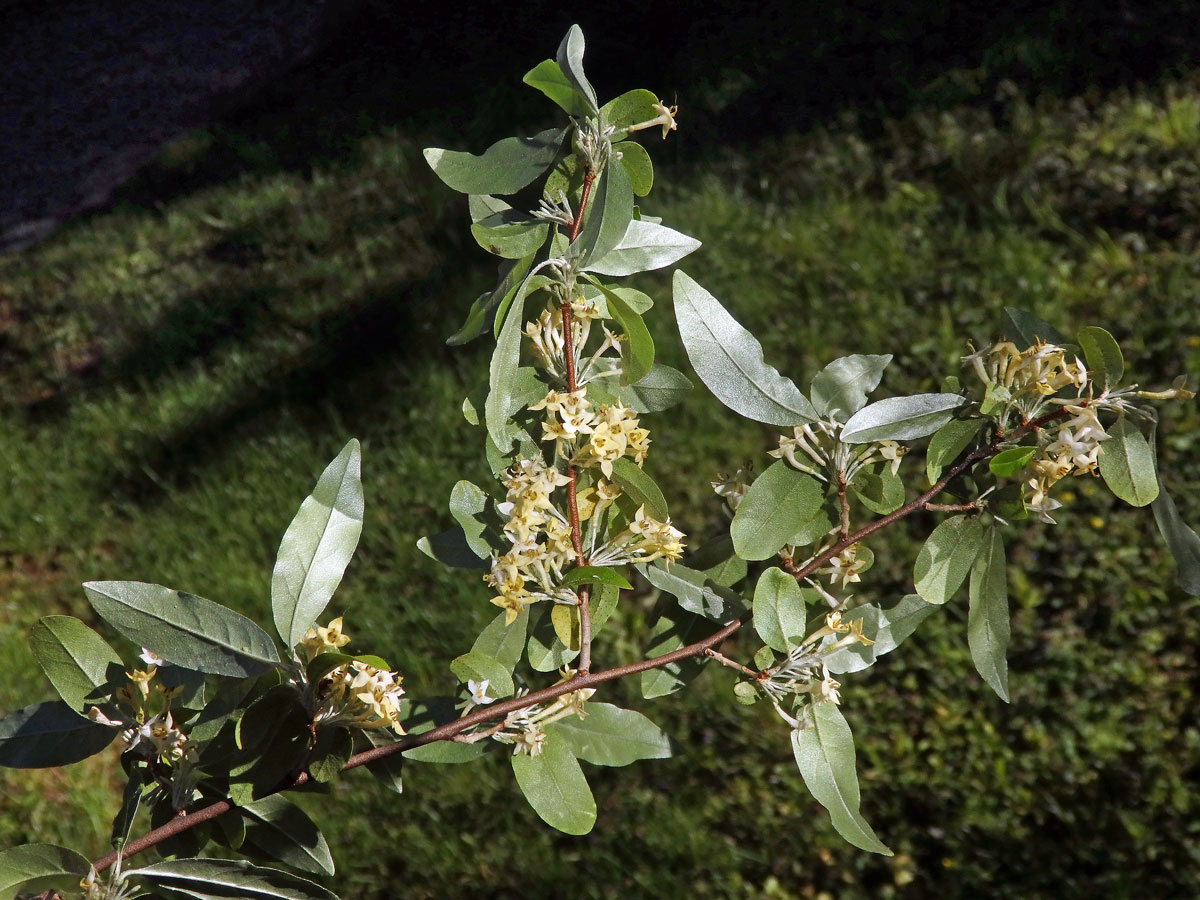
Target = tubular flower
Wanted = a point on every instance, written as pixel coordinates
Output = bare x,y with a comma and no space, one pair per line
360,694
665,118
318,640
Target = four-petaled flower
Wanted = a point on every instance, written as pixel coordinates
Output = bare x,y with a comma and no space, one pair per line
478,692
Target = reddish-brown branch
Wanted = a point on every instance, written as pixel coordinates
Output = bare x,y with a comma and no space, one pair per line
844,530
589,175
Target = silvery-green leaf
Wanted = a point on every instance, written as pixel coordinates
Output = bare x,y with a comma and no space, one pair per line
184,629
512,276
638,167
637,347
695,591
840,389
49,734
282,831
886,628
427,714
451,548
946,557
467,502
570,62
662,388
880,492
947,443
729,360
780,610
502,642
825,756
1127,464
1104,358
555,787
317,547
502,374
510,234
611,736
210,879
605,219
631,108
901,418
776,506
988,627
640,488
1025,329
32,868
548,78
1181,540
644,246
504,168
543,649
74,657
479,667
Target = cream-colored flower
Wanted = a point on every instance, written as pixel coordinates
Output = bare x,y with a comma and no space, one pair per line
665,118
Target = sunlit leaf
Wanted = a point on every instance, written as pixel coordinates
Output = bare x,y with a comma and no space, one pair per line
478,667
695,591
548,78
987,623
1105,361
555,787
33,868
946,557
645,246
317,547
1127,464
210,879
611,736
1009,462
947,443
901,418
184,629
780,610
504,168
885,628
74,657
777,504
729,360
840,389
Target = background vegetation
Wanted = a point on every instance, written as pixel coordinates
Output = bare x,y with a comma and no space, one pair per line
176,372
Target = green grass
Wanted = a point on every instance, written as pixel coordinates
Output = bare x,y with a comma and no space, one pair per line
176,378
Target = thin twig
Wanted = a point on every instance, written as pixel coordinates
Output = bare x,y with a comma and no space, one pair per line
845,505
726,661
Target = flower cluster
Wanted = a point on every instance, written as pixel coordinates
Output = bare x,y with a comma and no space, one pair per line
525,729
361,695
817,450
1075,451
646,539
545,335
144,715
1024,380
594,438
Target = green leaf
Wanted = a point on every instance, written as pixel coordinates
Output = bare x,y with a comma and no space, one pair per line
825,756
49,734
1025,329
637,350
1127,464
503,643
596,575
901,418
273,736
1181,540
638,167
184,629
131,802
661,389
729,360
840,389
280,830
467,501
695,591
780,610
504,168
1009,462
606,217
74,657
717,560
673,628
33,868
477,667
210,879
565,620
428,714
510,234
881,493
548,78
502,374
947,443
554,785
570,62
387,771
331,751
887,628
608,735
987,623
631,108
1103,355
813,529
317,547
512,275
544,650
777,504
640,488
645,246
450,548
603,603
946,557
